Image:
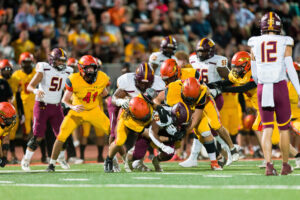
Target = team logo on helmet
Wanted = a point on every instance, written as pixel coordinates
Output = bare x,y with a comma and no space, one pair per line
58,58
240,64
180,114
205,49
270,22
168,46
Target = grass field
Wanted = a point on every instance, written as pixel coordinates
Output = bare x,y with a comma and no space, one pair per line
243,180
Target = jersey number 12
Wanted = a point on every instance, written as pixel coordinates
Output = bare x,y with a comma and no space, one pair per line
266,52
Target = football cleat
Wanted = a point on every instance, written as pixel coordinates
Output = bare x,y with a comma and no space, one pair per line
116,166
286,169
25,165
297,160
263,164
141,166
63,163
222,161
108,165
50,168
75,160
156,165
235,154
215,166
128,164
189,163
270,170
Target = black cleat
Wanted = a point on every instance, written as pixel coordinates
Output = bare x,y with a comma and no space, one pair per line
108,165
50,168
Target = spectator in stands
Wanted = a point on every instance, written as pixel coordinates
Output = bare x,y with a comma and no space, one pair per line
23,44
24,20
135,51
79,40
117,13
200,27
222,36
6,51
44,50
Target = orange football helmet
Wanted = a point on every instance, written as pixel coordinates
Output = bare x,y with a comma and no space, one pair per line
139,109
296,65
240,63
26,61
190,91
73,62
87,66
99,62
6,68
248,121
170,71
7,114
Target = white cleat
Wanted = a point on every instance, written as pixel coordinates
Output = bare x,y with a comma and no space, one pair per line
263,164
25,165
189,163
75,160
128,165
140,166
63,163
203,152
297,160
116,167
235,153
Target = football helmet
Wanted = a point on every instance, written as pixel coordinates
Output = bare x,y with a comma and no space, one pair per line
58,59
181,114
7,114
99,62
248,121
6,68
296,65
26,61
87,66
170,71
73,62
190,91
144,77
205,49
240,64
139,109
270,22
168,46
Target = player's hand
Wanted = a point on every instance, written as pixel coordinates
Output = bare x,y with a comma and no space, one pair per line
40,93
167,149
149,95
78,108
171,129
3,161
125,103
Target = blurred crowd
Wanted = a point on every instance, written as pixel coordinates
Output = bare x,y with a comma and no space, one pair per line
129,30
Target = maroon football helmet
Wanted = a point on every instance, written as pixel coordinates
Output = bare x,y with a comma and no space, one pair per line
168,46
58,59
181,114
205,49
270,22
144,77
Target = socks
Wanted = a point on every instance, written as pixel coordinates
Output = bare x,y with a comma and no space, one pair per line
53,162
100,150
61,155
211,150
28,155
195,150
82,148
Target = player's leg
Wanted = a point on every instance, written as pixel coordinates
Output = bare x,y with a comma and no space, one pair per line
100,139
27,123
295,126
39,128
162,156
12,142
68,125
86,129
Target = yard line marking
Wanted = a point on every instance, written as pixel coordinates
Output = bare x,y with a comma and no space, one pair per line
200,174
75,179
146,178
217,176
229,187
6,182
38,171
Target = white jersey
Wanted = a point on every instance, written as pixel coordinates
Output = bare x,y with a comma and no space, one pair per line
208,68
158,58
269,53
53,82
126,82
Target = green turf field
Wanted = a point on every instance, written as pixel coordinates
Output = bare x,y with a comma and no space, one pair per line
243,180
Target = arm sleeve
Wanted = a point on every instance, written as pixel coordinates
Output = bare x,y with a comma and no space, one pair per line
254,70
239,89
222,83
242,102
292,73
69,85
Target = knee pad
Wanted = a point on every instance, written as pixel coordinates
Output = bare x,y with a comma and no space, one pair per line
5,147
33,143
206,134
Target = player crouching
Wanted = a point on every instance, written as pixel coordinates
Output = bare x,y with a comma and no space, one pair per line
7,122
85,87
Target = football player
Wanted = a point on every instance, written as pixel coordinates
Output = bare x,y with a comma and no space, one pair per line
6,70
85,87
7,122
213,68
73,62
133,119
168,47
130,85
165,132
50,78
197,96
24,76
271,61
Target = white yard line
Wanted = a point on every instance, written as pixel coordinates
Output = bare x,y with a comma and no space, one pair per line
146,178
6,182
228,187
217,176
75,179
38,171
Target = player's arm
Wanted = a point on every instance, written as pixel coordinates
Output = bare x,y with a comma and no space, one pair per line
291,70
3,159
196,119
119,98
153,134
34,82
160,98
253,67
240,89
104,93
67,98
223,72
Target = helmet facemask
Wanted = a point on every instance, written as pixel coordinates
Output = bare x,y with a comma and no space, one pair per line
6,72
90,73
60,64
